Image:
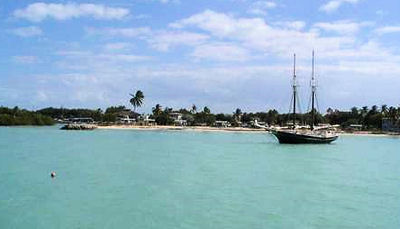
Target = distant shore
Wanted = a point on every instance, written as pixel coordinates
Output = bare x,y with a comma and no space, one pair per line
226,129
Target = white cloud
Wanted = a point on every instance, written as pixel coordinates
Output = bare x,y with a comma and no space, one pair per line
370,51
387,29
29,31
82,56
343,61
221,52
342,27
169,1
249,37
164,40
142,16
26,59
40,11
381,13
125,32
333,5
106,84
261,7
256,34
217,23
296,25
165,1
224,37
123,57
158,39
117,46
82,61
41,96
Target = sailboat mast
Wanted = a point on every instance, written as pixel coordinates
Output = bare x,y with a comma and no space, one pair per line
313,89
294,92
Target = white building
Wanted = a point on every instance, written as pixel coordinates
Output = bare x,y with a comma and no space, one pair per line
126,120
178,120
222,124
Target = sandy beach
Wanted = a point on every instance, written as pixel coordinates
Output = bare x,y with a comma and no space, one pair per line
228,129
367,133
190,128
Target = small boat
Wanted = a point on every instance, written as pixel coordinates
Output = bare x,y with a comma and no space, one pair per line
304,135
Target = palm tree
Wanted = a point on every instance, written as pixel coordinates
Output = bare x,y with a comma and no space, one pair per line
384,109
238,111
393,113
168,110
238,115
374,109
157,110
354,112
364,110
194,109
206,110
137,99
272,116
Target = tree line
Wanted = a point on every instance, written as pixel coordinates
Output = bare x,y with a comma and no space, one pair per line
369,118
17,117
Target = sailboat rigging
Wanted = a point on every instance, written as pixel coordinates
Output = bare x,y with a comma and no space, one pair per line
301,135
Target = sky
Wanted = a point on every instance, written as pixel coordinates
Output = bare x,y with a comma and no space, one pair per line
224,54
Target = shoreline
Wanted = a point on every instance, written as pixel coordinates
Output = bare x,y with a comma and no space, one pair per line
182,128
370,134
213,129
228,129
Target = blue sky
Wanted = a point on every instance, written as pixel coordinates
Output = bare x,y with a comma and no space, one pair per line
220,53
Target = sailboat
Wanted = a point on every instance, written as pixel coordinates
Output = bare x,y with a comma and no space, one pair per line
302,135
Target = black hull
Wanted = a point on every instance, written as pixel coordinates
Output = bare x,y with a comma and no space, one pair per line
294,138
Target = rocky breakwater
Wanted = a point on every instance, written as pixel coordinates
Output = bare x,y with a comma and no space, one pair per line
79,127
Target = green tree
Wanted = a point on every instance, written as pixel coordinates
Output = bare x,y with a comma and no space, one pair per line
157,110
272,117
364,110
223,117
238,112
374,109
163,117
238,116
194,109
109,117
16,116
137,99
115,109
354,112
392,113
384,110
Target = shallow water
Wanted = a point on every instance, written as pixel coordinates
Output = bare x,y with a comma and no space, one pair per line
188,179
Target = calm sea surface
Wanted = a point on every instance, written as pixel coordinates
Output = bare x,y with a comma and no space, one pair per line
186,179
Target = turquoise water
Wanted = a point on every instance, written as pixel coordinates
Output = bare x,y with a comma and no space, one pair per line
183,179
